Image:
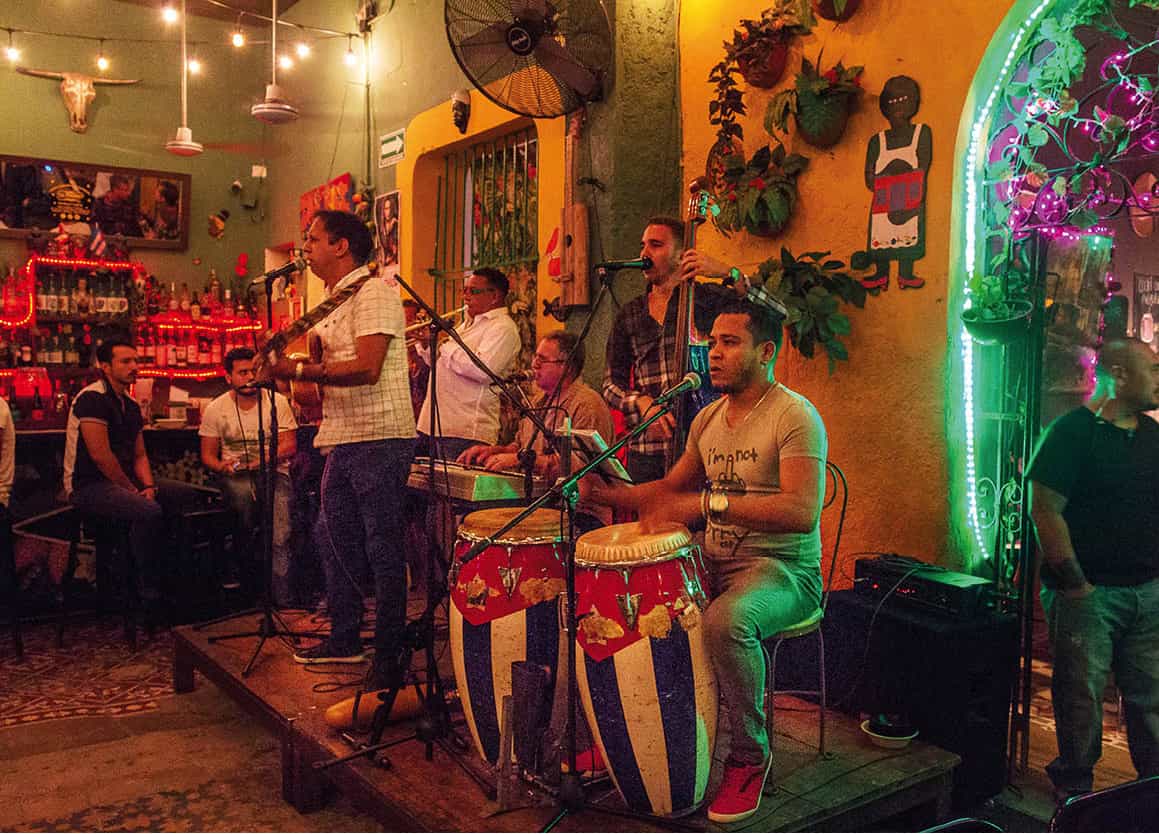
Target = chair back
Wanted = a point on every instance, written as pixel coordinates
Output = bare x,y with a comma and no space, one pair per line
1133,806
839,497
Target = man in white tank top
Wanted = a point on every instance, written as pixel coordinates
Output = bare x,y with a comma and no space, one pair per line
754,470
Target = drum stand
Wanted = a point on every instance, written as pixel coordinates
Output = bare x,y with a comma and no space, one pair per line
571,797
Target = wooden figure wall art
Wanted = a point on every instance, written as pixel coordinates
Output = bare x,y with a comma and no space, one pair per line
896,164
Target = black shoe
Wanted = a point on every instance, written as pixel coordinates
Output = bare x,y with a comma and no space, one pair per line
325,652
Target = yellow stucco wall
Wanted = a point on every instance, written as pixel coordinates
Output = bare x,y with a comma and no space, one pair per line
885,407
429,137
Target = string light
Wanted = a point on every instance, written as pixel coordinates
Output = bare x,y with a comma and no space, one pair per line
169,14
303,49
285,62
12,52
350,58
238,36
194,66
102,61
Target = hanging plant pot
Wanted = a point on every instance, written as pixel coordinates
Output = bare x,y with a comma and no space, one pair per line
821,120
763,64
765,229
1001,331
714,165
828,9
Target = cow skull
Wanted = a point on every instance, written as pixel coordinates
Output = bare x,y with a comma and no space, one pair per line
77,90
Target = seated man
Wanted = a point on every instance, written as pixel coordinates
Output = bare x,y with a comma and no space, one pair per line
229,448
564,395
107,471
761,451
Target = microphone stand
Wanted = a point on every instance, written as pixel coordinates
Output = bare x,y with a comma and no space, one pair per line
271,623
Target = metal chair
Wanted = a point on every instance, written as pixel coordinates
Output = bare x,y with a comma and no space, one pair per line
811,625
1133,806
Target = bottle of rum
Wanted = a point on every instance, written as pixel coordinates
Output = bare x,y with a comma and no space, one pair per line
37,405
162,349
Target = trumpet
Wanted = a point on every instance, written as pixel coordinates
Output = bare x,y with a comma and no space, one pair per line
421,323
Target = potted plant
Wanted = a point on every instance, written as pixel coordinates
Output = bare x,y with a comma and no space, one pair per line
838,10
1000,309
813,287
759,194
819,102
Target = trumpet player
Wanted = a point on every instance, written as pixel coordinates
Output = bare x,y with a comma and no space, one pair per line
468,409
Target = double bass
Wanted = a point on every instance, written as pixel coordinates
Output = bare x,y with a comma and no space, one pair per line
691,347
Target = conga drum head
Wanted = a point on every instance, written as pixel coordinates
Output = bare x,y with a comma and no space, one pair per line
542,526
626,545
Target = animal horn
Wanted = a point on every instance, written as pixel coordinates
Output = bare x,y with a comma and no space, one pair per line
116,80
40,73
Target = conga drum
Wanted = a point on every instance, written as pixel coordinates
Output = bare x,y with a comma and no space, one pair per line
644,677
503,609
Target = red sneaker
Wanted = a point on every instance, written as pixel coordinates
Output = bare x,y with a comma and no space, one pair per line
739,794
590,763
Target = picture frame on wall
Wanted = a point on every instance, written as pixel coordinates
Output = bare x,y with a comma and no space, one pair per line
386,220
149,208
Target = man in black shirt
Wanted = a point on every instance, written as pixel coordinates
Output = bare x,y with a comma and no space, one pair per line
106,467
1095,508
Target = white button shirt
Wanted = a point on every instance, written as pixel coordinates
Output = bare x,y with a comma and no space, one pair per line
383,410
468,407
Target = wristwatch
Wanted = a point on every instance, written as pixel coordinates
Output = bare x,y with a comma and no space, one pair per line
734,275
717,506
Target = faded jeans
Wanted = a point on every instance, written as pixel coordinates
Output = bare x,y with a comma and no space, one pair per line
752,599
1115,628
240,492
360,526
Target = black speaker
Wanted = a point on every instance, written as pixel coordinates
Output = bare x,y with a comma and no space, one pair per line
952,678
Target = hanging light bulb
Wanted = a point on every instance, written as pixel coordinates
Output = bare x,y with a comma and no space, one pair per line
350,58
169,14
238,38
285,62
182,144
274,109
303,49
12,53
102,61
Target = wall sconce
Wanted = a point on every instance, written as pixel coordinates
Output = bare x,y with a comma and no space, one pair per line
461,109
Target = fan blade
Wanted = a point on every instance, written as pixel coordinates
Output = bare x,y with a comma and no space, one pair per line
485,49
554,58
529,9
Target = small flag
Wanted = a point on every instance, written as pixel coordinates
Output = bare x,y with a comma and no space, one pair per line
98,244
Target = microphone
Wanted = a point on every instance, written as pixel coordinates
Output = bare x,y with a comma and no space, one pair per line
691,382
296,265
614,266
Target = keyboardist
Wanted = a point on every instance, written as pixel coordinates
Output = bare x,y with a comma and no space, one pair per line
574,399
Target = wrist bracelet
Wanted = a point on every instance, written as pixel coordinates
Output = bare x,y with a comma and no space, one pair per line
704,502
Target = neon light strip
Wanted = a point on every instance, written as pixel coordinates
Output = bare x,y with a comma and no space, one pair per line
165,373
974,162
80,263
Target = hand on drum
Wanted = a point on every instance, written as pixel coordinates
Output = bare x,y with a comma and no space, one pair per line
476,455
504,461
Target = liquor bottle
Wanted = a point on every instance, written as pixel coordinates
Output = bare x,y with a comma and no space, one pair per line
161,350
37,405
13,403
204,351
174,303
56,348
59,399
191,347
195,308
215,350
41,296
86,347
63,297
46,295
148,350
123,297
100,299
71,348
227,306
27,350
213,294
184,300
179,356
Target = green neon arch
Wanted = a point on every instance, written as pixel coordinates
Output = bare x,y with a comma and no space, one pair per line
998,65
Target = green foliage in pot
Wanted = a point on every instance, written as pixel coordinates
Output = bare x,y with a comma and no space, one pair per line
760,193
814,288
818,101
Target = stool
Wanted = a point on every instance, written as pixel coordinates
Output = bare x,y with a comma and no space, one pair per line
111,542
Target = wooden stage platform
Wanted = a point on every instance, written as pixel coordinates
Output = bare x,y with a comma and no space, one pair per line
854,787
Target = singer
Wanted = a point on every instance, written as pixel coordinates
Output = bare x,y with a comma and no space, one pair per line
642,341
368,430
761,451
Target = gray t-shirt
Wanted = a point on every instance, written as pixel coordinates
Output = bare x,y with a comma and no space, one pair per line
746,459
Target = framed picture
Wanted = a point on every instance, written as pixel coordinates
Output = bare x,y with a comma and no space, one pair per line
150,208
336,194
386,232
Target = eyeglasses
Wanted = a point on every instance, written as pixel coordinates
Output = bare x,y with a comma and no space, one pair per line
540,360
477,290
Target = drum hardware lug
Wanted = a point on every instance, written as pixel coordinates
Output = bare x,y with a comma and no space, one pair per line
510,577
453,575
693,588
630,608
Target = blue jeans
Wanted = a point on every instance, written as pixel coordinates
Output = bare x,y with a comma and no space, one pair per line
359,527
240,492
752,598
146,521
1116,627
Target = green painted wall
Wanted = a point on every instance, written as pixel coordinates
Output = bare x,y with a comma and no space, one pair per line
128,126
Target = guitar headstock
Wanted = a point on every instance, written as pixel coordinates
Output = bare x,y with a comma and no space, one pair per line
698,200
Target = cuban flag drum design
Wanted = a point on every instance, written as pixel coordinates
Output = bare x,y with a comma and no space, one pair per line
645,680
503,610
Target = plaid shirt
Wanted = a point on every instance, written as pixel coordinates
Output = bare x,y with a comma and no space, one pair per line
641,357
382,410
